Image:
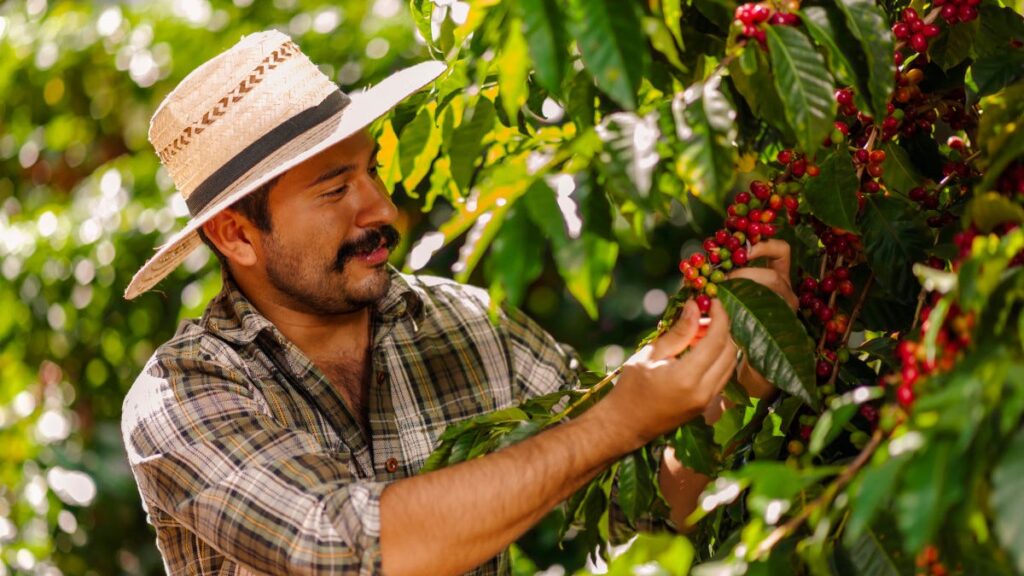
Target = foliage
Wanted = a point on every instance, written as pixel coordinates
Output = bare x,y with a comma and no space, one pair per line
882,141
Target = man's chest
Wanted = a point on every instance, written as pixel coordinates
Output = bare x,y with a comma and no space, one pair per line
385,409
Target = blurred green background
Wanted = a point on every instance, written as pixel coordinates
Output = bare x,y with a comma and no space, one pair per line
83,202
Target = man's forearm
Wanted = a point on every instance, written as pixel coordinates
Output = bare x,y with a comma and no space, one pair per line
452,520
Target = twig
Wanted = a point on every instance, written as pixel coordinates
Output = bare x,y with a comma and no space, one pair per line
849,326
842,480
593,389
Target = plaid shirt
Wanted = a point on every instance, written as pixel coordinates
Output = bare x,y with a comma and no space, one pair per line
248,460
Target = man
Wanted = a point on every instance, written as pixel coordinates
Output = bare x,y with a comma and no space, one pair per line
282,431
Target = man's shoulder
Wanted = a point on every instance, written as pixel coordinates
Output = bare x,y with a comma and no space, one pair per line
173,385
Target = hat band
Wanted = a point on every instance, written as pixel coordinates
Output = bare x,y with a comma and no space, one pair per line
254,153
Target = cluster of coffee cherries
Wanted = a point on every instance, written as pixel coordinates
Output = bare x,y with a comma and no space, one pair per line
928,563
752,217
953,336
751,17
914,31
954,11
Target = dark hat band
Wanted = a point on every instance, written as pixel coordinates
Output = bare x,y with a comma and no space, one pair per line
256,152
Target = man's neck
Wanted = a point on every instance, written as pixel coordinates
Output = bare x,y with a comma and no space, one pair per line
318,335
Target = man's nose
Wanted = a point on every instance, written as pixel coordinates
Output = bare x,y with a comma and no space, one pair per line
376,207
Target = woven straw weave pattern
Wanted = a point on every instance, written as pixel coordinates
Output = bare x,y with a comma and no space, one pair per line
197,135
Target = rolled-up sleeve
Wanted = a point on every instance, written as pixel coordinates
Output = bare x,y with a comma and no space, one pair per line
205,452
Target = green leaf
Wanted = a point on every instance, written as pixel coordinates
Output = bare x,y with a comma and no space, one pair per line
875,487
1000,55
662,554
900,174
894,238
467,142
580,100
996,71
772,436
775,342
868,557
421,10
954,45
705,126
585,262
672,12
661,40
517,256
612,45
752,76
932,482
636,485
417,147
845,59
804,84
1006,502
695,447
832,195
936,318
1000,133
868,24
544,27
513,66
992,209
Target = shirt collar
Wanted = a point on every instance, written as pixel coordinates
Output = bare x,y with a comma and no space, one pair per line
232,317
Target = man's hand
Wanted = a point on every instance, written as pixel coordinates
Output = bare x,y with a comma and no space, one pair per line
657,391
775,277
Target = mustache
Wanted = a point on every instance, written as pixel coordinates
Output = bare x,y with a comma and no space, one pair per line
386,236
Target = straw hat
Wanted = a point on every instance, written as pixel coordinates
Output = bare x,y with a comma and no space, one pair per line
247,116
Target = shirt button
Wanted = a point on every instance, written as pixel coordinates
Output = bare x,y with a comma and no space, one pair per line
381,377
391,465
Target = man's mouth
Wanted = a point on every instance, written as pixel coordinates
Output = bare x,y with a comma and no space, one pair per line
375,256
371,250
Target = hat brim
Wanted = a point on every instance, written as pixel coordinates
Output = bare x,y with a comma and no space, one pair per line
366,106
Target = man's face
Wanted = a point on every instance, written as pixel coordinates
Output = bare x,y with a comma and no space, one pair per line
331,231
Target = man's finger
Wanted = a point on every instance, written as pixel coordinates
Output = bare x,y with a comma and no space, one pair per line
772,280
704,353
723,366
777,253
679,336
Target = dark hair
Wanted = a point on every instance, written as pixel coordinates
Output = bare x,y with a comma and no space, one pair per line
255,207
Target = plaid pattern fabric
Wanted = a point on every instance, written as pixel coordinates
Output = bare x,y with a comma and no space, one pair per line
247,459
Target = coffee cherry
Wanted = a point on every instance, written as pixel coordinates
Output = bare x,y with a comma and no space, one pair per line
823,368
919,43
905,395
703,303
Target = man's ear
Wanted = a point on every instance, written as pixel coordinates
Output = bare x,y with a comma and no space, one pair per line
234,236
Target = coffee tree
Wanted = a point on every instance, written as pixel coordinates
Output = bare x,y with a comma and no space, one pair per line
884,141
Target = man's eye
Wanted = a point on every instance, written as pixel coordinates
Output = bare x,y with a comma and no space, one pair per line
335,191
375,169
